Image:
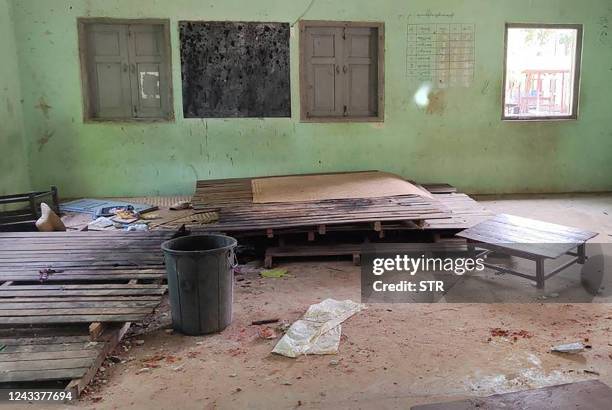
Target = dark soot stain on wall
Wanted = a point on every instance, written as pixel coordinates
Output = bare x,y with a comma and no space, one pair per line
235,69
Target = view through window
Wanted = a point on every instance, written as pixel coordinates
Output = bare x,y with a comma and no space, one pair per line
542,71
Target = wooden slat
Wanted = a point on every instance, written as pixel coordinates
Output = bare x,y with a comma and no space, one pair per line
58,347
30,320
42,375
48,355
105,298
7,304
76,292
42,340
98,276
92,235
82,287
64,313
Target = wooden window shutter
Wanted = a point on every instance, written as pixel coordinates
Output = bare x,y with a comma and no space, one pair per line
361,71
108,67
323,53
149,79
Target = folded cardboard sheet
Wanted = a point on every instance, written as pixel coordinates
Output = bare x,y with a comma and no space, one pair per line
297,188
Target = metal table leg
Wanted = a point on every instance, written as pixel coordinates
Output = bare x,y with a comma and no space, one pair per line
581,254
540,273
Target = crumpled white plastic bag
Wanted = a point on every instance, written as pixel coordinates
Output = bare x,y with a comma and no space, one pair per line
318,332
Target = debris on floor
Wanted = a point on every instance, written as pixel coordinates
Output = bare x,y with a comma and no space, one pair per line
274,273
177,206
267,332
43,274
265,321
96,206
99,224
123,215
49,221
319,330
139,227
576,347
248,268
565,396
514,335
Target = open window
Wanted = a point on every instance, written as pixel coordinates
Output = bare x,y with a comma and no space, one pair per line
541,71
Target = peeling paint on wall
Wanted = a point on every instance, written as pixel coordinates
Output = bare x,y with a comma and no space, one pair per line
42,141
436,103
43,106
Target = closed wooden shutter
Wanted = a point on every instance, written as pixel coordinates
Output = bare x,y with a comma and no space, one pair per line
147,71
109,71
340,71
360,67
323,52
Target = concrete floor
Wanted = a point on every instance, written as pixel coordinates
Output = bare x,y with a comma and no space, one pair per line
391,356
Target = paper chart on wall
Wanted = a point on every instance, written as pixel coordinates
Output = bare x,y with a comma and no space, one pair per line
441,53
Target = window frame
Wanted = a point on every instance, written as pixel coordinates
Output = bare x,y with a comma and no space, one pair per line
380,63
82,23
577,70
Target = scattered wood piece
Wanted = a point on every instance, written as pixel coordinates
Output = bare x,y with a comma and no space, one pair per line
95,330
265,321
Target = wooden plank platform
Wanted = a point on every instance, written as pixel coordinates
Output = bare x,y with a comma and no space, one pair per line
233,200
67,354
591,395
89,278
464,212
83,256
79,277
326,212
26,359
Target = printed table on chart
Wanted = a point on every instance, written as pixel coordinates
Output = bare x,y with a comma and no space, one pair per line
441,53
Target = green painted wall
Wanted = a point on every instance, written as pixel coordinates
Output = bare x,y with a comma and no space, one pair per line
464,143
14,177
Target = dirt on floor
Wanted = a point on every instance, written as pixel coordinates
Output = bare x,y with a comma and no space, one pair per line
391,355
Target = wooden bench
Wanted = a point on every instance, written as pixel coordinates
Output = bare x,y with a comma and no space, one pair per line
528,239
19,210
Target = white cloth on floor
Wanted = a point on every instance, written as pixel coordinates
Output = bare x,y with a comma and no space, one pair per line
319,330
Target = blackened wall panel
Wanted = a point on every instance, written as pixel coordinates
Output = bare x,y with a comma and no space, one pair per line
235,69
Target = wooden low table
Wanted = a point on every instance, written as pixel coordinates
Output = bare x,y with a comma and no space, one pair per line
528,239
